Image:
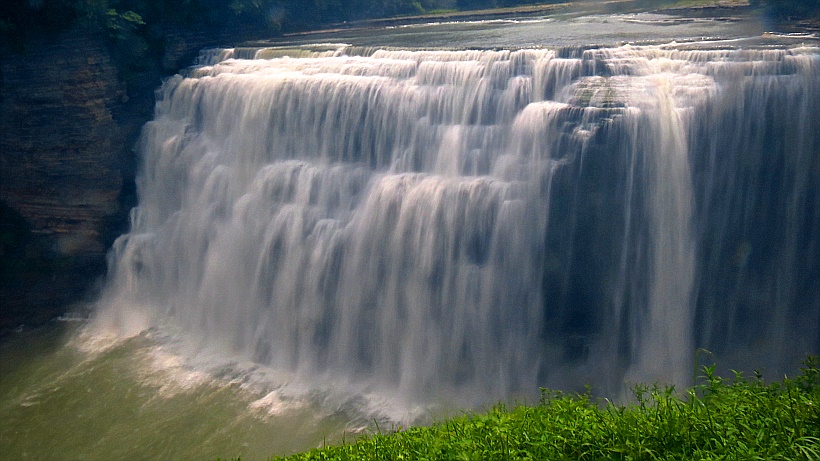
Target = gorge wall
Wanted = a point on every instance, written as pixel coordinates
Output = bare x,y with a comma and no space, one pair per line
62,175
68,123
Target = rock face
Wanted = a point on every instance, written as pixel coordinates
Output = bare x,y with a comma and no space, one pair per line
62,166
61,145
68,125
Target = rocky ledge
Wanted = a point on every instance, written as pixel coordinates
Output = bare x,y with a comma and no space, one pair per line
68,124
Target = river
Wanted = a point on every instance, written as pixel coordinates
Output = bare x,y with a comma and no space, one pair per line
382,226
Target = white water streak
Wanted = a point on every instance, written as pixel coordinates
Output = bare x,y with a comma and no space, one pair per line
383,217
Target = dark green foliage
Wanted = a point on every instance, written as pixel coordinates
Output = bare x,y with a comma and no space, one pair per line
123,19
476,4
307,13
789,9
136,25
120,24
717,419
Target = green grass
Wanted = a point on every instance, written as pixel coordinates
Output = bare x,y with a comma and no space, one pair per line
737,418
441,11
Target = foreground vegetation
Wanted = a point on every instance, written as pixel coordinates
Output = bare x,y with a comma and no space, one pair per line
736,418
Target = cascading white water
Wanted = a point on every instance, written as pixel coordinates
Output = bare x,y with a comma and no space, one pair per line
430,221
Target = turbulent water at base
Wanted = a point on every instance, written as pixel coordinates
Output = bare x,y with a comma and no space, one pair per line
67,396
374,232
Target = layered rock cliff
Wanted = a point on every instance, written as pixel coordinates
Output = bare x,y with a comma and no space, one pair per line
61,166
68,123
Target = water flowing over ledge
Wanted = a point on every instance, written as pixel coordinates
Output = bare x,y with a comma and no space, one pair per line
466,225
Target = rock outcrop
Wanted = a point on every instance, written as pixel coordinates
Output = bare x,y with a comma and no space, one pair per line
58,139
68,124
61,170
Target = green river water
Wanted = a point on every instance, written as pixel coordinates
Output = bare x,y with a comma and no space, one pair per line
69,392
65,395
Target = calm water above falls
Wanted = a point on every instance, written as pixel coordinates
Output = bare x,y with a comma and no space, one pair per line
442,215
556,31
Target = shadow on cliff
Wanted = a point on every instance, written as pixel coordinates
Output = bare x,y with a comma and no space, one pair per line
76,87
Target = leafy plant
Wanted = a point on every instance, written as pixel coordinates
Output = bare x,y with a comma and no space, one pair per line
718,418
120,24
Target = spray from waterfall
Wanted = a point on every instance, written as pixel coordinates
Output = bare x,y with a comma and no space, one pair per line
472,225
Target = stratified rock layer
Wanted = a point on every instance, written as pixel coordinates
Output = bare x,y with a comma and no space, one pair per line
68,125
61,165
61,145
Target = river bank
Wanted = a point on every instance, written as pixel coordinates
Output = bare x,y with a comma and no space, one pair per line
699,8
694,9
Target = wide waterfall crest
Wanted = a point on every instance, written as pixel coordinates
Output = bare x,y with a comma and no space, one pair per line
471,224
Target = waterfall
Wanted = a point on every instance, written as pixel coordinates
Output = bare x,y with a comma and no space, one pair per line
473,224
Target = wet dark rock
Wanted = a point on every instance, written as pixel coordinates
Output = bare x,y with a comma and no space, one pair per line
70,113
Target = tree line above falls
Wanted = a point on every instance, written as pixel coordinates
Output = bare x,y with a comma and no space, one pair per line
137,29
131,19
19,17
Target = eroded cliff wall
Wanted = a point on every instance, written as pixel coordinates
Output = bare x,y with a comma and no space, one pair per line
62,170
68,124
61,144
